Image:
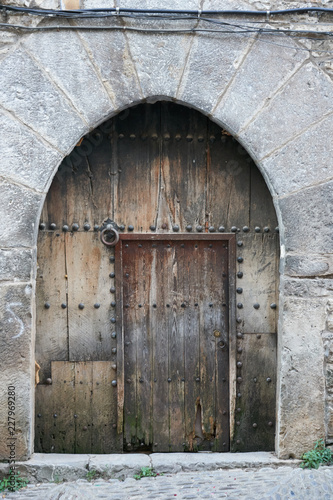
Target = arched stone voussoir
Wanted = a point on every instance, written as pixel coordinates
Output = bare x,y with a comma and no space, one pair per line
213,61
19,209
304,161
70,67
27,92
159,61
25,159
301,102
112,60
264,69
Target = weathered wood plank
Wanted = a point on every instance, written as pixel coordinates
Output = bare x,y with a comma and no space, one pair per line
51,303
137,345
222,373
89,311
145,339
228,181
183,164
255,408
194,321
63,377
176,294
211,281
161,255
262,211
55,428
136,165
259,283
104,437
44,442
83,406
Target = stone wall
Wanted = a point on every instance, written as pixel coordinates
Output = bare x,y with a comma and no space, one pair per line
274,94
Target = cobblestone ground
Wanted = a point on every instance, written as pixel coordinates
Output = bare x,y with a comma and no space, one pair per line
283,483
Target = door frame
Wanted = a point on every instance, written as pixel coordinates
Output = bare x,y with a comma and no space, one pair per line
231,239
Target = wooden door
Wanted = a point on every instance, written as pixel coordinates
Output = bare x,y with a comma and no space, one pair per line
164,175
174,301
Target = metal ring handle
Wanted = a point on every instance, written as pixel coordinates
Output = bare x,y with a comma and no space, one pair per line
110,229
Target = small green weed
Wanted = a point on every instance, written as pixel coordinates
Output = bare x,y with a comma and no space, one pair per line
91,474
13,482
319,455
146,472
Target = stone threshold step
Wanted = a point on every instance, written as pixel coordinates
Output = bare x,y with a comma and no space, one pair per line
55,467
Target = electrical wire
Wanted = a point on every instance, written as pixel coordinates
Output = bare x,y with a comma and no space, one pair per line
172,15
102,12
239,30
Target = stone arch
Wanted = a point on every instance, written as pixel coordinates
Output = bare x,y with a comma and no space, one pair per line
274,100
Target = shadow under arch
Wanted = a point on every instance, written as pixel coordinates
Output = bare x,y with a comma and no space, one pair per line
156,169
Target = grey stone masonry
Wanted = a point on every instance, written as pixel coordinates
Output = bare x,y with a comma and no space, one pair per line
273,93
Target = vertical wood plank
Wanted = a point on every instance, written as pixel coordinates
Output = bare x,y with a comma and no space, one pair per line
87,261
87,179
55,428
222,373
194,318
63,379
44,442
137,345
228,181
262,211
135,183
144,347
255,408
83,398
212,305
259,282
51,320
104,409
183,164
162,252
176,295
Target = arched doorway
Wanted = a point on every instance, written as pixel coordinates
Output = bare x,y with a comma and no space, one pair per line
167,341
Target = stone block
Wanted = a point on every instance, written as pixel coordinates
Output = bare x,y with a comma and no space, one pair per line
45,468
304,100
24,158
304,161
307,288
172,463
19,208
16,365
15,265
118,466
110,53
160,58
70,67
307,217
264,69
30,95
212,62
301,389
308,265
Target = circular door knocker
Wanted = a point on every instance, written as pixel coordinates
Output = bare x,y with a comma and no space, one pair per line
109,236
